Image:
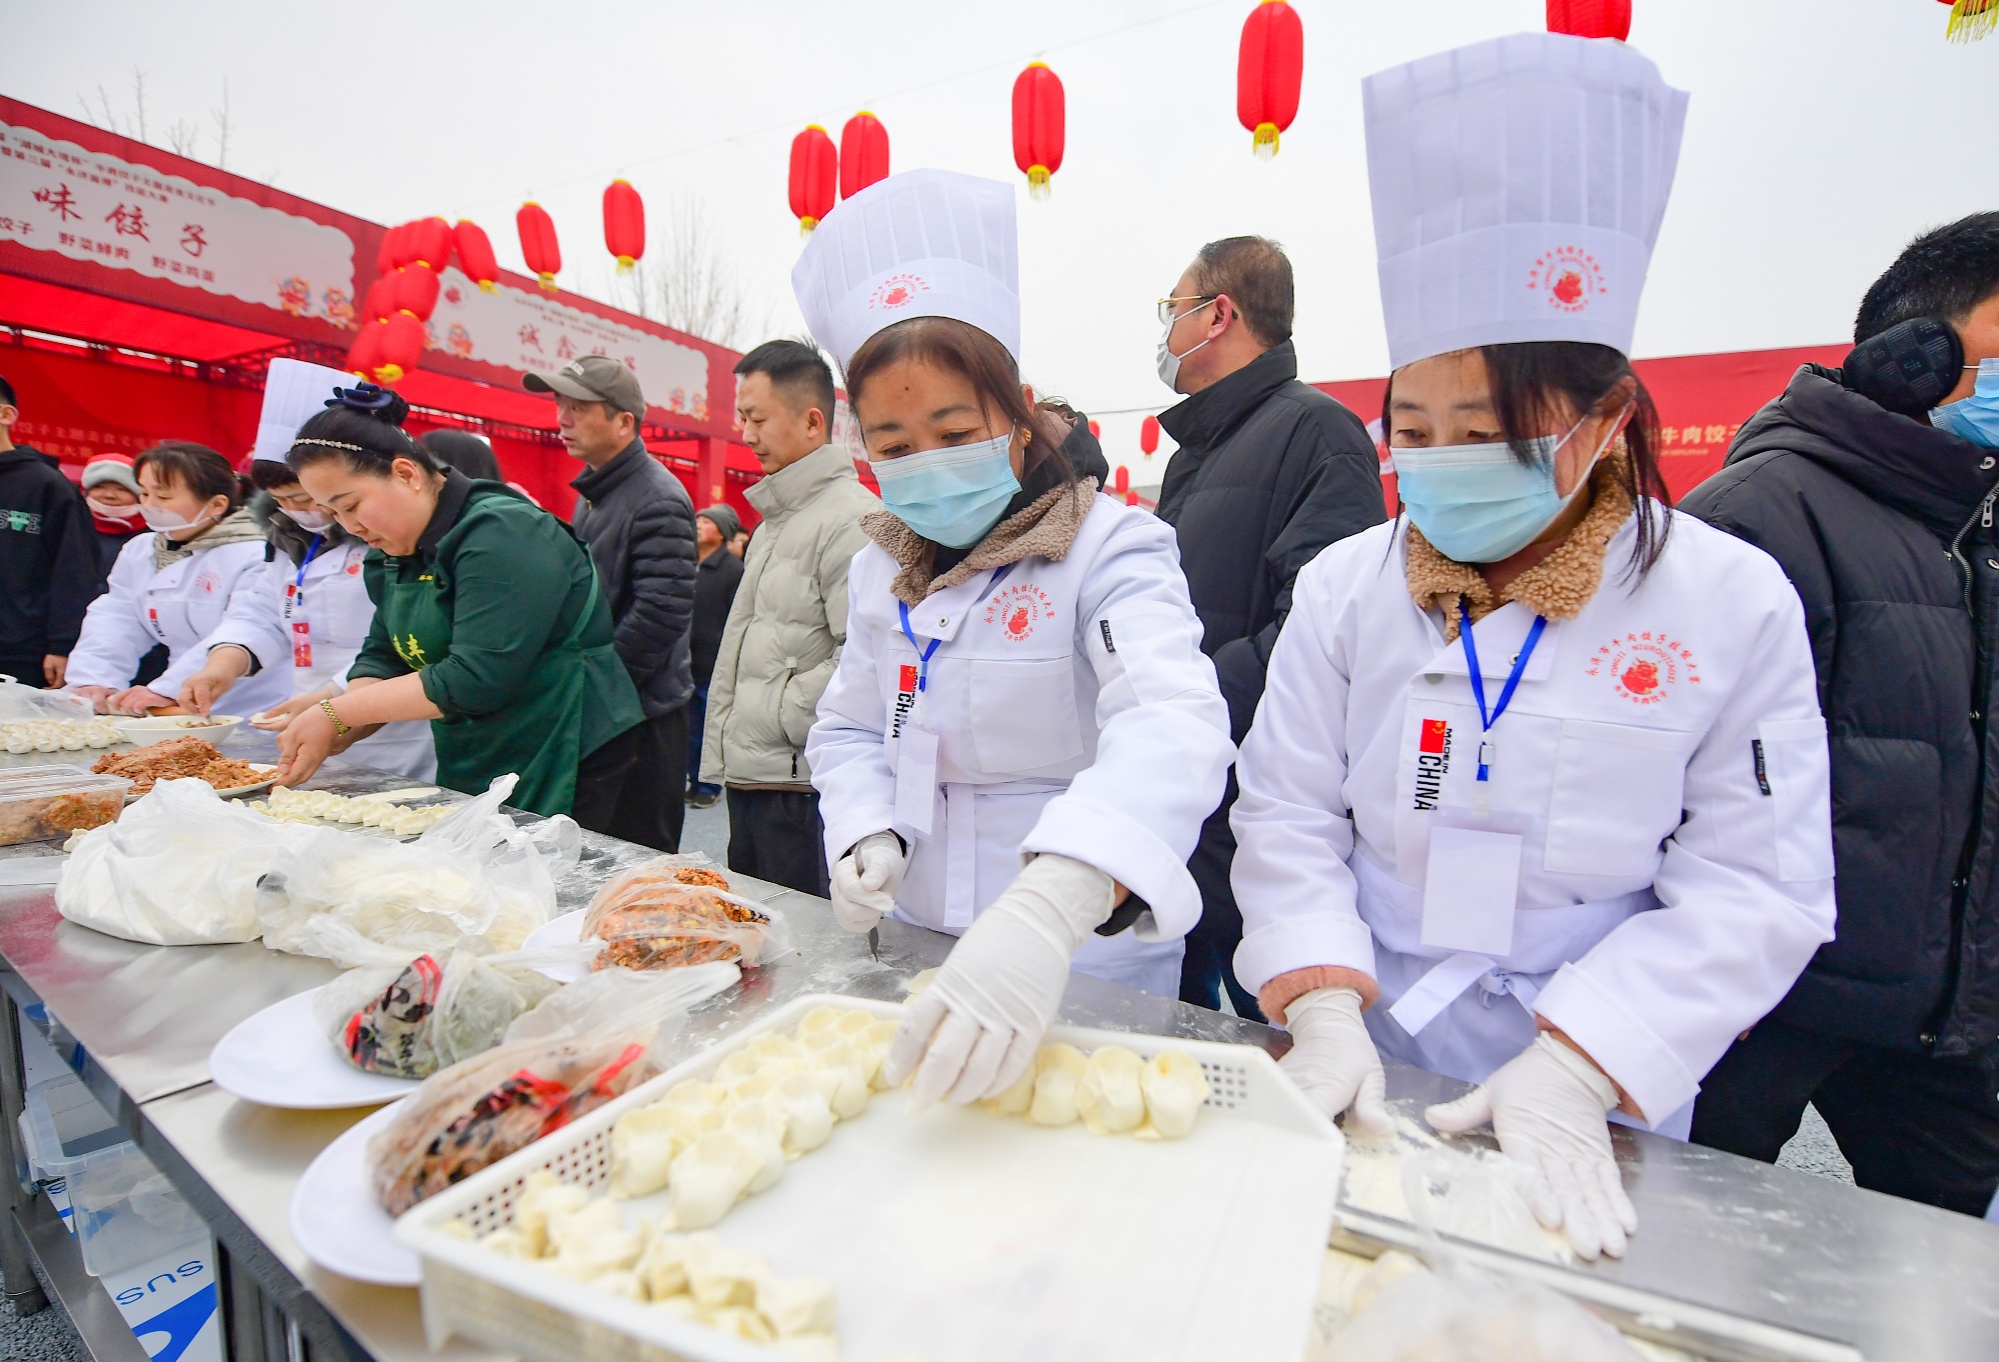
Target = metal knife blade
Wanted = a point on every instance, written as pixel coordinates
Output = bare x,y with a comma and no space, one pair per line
875,943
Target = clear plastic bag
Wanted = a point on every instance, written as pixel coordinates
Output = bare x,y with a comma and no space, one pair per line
475,875
411,1017
668,913
589,1043
180,868
26,704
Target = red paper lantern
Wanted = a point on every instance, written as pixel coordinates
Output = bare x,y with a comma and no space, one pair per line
1148,436
815,176
1269,66
366,352
381,299
430,242
1096,431
1037,126
538,245
415,290
624,224
1971,20
1590,18
863,153
385,252
475,255
397,248
403,339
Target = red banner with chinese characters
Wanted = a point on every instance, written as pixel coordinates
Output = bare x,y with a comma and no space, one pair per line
1702,399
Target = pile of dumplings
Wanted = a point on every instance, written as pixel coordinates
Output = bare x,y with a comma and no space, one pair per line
695,1276
712,1143
1113,1091
368,811
59,735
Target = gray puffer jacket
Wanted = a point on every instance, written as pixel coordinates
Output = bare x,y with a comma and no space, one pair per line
787,624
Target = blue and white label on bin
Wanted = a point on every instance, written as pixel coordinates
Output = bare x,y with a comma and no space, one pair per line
170,1304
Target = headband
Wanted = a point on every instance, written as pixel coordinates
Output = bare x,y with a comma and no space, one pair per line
333,444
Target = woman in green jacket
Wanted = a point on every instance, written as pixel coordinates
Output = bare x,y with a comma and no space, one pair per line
488,622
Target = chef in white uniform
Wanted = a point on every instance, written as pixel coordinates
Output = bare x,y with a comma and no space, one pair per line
1022,736
312,572
1572,853
176,585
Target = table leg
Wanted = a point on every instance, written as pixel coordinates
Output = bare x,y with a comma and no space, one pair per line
23,1288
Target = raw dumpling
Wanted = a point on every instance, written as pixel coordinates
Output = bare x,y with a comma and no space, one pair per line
623,1283
843,1077
1058,1069
819,1019
509,1242
1017,1099
774,1045
663,1266
719,1276
1109,1098
542,1198
796,1305
760,1127
738,1321
808,1116
593,1240
1174,1089
879,1035
643,1144
709,1176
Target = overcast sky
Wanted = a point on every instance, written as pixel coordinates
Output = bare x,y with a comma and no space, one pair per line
1821,135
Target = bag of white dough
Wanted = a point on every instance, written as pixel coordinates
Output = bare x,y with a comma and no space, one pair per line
669,912
411,1017
180,868
590,1042
474,875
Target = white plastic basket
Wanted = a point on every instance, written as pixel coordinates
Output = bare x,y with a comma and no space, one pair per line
1205,1247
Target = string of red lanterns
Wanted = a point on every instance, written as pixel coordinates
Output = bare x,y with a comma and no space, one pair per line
1039,126
815,177
539,247
863,153
624,224
1270,67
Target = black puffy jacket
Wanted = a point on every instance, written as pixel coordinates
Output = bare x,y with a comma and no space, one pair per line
639,524
1269,471
1885,527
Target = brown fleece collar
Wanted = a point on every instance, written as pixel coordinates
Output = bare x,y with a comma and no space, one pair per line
1045,528
1559,586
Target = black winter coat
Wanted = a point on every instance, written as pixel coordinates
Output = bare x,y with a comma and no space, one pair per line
715,583
1269,471
1885,527
48,560
639,524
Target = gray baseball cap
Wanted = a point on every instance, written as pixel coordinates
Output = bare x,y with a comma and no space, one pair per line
593,378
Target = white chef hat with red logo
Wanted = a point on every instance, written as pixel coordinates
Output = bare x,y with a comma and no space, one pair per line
925,243
1518,185
293,391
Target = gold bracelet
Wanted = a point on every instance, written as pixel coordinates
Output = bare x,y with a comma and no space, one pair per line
340,730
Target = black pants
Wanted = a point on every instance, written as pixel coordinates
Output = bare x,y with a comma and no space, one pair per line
777,835
1209,965
634,786
1912,1126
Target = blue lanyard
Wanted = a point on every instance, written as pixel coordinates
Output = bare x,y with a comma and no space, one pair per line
1485,752
311,552
925,654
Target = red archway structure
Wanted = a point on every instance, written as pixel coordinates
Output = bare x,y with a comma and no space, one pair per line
143,295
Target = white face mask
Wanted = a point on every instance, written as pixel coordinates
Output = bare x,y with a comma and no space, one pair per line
315,521
1166,361
166,522
122,514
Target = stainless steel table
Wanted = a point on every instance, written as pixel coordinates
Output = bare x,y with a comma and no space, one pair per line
1894,1279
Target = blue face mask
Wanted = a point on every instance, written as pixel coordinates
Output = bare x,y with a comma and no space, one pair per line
1974,418
1480,503
950,496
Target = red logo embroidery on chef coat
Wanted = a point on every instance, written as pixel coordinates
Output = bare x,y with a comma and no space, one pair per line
898,290
208,581
905,699
1568,277
354,568
1433,760
1018,609
1645,666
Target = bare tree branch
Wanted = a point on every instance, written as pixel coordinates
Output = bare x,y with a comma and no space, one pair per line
221,117
182,138
687,282
139,100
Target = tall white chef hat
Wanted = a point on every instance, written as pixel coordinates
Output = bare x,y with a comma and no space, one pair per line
293,391
925,243
1518,186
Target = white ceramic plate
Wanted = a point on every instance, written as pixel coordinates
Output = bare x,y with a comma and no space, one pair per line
566,930
159,727
336,1219
280,1058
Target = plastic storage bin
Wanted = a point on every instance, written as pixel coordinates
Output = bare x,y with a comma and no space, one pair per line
63,1127
39,802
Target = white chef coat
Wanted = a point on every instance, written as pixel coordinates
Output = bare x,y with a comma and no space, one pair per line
1664,755
181,605
321,621
1075,714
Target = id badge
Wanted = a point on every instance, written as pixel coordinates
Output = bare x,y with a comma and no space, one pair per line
916,779
1471,884
301,644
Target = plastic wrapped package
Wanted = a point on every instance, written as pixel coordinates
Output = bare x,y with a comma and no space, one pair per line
474,875
41,802
412,1017
180,868
666,914
27,704
589,1043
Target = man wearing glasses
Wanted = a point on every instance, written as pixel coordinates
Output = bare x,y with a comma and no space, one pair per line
1268,472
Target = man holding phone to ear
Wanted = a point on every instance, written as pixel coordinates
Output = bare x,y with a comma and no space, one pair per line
1875,487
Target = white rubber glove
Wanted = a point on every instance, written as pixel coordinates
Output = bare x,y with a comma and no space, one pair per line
1547,1106
1334,1061
975,1029
866,881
